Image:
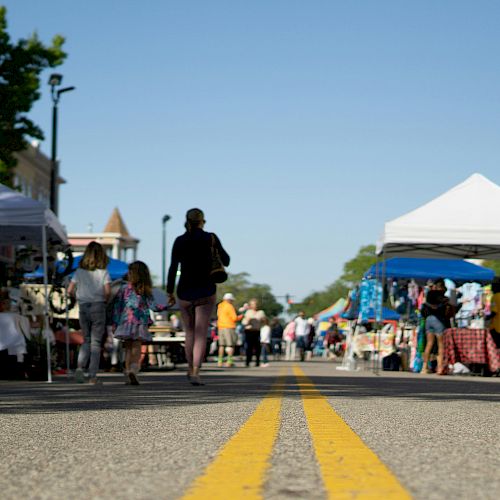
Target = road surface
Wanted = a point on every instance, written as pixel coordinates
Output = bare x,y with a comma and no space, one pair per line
303,430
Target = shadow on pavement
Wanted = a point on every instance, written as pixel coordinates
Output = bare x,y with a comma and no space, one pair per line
172,390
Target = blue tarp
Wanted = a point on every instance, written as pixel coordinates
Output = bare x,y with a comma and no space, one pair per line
116,269
387,314
460,271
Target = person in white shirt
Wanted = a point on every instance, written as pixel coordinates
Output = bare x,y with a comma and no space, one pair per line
92,285
301,333
265,341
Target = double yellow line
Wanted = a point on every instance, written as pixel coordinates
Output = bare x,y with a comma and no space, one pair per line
348,467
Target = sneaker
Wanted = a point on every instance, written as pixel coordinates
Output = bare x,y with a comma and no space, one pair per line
220,364
264,365
229,365
79,376
95,382
133,379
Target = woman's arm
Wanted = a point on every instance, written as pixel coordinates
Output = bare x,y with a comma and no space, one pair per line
71,288
172,272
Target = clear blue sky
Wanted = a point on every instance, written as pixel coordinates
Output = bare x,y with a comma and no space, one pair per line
298,126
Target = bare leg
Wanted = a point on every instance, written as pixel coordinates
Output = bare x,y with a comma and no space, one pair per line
187,315
427,352
135,356
128,352
440,342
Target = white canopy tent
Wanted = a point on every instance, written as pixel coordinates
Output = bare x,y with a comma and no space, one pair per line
462,223
24,221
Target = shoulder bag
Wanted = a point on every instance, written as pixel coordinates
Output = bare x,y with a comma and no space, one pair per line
218,273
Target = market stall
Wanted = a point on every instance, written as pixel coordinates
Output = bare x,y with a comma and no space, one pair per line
23,222
459,271
462,223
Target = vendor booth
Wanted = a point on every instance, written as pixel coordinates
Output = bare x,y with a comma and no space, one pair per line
459,271
23,222
462,223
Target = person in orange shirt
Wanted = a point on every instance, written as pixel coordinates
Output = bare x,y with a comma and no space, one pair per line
226,325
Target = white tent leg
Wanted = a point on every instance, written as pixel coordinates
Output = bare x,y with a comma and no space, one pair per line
67,333
46,324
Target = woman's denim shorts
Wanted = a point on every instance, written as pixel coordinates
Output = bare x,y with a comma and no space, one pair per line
433,325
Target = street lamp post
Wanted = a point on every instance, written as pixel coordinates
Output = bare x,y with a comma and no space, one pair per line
164,221
54,81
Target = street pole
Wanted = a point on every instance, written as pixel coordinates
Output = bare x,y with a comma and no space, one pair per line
164,221
54,173
54,81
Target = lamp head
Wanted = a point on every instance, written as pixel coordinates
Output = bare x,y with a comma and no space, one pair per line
55,79
166,218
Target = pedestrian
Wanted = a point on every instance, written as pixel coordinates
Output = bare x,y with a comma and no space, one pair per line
131,317
92,285
226,325
193,252
252,321
291,344
311,338
265,342
436,311
276,338
301,334
495,311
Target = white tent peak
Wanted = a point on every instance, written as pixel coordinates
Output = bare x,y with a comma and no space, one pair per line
466,216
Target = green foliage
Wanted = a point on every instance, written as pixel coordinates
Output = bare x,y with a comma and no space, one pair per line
243,290
21,65
355,268
352,274
317,301
492,264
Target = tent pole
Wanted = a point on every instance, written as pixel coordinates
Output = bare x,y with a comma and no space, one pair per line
379,331
66,332
377,278
46,325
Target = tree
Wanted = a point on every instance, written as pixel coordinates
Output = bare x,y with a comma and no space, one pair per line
21,65
243,290
355,268
492,264
353,272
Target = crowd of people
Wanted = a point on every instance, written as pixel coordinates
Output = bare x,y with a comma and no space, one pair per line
126,310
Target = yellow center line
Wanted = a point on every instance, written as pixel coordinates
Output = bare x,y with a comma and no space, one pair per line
239,469
349,468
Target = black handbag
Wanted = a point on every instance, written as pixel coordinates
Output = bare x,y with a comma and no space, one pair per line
218,273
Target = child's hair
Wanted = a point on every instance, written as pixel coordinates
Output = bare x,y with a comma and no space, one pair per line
139,278
94,257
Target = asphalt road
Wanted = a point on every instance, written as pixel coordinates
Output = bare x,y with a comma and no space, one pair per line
439,436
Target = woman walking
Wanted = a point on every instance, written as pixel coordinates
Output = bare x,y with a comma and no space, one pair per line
91,282
196,289
131,316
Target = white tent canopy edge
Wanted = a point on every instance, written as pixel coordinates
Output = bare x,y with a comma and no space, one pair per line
461,223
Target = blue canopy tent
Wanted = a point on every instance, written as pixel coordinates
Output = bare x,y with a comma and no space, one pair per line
387,314
459,271
116,268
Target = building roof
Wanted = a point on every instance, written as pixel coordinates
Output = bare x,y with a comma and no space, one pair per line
116,225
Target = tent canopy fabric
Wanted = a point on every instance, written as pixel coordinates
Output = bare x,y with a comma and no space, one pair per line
387,314
22,218
116,268
460,271
333,310
461,223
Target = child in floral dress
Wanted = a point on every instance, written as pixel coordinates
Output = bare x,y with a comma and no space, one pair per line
131,316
